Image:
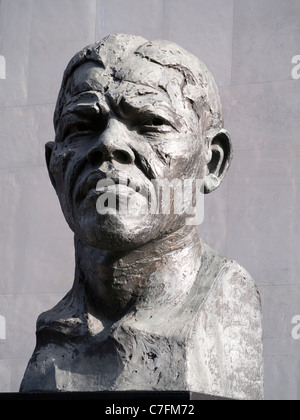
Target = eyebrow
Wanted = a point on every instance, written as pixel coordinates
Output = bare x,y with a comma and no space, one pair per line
97,105
81,106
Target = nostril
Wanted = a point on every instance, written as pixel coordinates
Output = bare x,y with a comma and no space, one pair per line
122,156
95,157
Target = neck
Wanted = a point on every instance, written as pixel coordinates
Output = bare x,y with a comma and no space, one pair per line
161,272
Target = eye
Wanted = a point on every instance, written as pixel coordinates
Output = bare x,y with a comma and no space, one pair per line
154,124
158,121
78,128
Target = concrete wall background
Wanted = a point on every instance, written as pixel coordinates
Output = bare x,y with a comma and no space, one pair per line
253,218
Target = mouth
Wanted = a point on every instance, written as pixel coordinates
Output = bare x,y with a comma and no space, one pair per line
97,184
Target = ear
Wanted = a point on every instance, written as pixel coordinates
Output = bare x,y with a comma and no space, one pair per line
48,153
220,152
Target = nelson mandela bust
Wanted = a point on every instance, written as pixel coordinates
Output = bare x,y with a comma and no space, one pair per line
152,307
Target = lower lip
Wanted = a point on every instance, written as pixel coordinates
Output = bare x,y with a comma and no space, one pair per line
120,196
117,190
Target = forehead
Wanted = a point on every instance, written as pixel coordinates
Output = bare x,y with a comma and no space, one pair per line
135,79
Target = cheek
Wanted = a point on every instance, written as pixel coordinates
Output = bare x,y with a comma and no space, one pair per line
60,160
61,167
187,160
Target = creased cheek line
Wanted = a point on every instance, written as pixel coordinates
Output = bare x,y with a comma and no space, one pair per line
70,180
145,166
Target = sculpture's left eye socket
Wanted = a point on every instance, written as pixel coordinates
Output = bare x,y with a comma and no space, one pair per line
154,124
80,128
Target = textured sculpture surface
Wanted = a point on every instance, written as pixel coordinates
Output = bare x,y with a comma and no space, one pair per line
152,307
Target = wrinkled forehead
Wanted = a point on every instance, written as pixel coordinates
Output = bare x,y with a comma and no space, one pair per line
133,79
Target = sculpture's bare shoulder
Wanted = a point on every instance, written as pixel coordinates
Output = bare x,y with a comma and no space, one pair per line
225,332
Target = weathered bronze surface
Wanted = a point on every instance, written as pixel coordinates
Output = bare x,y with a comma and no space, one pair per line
152,307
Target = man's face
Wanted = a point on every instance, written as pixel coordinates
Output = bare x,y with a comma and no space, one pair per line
132,128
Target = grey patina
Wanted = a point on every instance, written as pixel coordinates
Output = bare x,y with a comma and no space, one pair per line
152,307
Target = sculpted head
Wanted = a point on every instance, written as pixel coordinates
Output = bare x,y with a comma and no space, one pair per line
138,111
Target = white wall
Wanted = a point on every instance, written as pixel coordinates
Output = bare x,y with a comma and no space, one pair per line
253,218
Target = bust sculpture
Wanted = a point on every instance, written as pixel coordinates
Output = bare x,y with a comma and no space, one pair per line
152,306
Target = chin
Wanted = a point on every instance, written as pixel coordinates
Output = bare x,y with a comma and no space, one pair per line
115,232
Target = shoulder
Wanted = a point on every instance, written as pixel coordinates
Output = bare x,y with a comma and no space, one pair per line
227,336
231,278
67,318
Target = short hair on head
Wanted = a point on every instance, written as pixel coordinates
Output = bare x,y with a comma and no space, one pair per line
199,86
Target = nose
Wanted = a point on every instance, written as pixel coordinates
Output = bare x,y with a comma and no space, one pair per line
112,144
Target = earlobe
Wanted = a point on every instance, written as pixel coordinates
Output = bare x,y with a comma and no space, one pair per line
48,153
220,159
